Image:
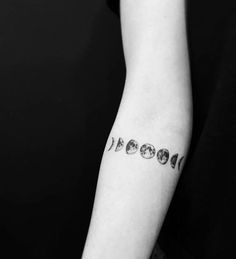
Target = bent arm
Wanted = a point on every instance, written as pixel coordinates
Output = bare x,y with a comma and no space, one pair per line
149,140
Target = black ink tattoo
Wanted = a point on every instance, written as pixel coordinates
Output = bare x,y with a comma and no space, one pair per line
112,144
173,160
120,144
147,151
180,162
132,147
163,156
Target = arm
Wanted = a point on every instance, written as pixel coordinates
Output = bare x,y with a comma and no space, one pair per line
136,181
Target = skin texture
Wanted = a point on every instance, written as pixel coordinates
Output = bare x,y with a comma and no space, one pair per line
136,182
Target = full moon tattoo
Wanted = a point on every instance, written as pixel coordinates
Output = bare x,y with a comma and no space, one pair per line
148,151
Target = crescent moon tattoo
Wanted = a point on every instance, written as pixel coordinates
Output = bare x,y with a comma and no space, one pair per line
147,151
180,162
112,144
132,147
163,156
119,145
173,160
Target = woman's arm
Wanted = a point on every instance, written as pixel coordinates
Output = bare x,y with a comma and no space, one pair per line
136,181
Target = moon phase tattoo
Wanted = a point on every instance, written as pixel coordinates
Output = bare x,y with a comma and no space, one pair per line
173,160
120,144
163,156
180,162
132,147
148,151
112,144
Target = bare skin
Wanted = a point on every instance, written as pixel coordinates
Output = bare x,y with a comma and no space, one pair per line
149,140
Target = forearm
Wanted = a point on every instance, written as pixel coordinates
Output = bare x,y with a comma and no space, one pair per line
134,189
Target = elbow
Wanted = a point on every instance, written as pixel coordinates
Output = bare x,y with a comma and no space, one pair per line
164,118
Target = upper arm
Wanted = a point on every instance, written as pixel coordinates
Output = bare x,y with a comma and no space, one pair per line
153,30
156,56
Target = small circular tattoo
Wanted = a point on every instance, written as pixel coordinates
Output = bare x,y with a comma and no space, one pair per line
147,151
132,147
163,156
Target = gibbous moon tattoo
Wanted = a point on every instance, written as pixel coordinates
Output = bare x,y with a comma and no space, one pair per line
173,160
120,144
112,144
147,151
132,147
180,162
163,156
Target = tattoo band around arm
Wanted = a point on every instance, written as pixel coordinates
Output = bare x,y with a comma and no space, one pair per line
147,151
